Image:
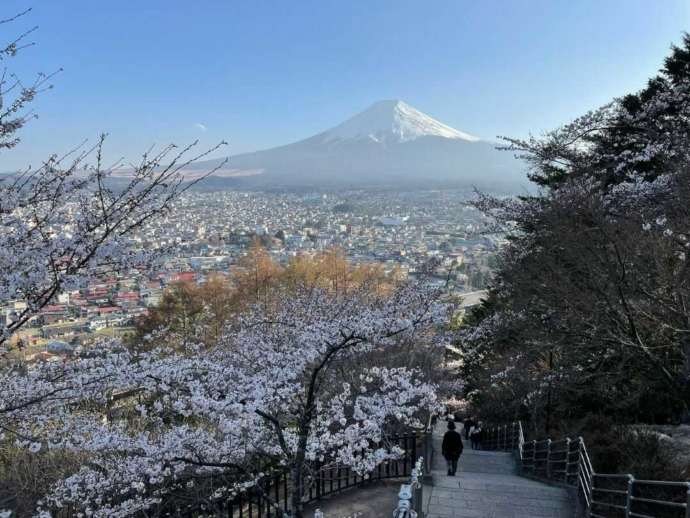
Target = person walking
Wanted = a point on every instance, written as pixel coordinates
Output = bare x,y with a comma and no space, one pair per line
469,423
451,448
476,433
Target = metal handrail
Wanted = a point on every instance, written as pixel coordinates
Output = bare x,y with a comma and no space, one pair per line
275,488
410,496
567,461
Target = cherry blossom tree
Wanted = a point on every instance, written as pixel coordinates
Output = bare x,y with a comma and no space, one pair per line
63,221
279,388
168,429
15,95
62,225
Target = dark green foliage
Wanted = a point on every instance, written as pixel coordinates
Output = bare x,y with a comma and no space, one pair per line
625,449
589,309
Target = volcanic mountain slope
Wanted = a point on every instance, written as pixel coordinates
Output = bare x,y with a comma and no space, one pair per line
390,143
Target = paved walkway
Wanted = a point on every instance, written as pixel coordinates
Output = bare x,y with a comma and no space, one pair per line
370,501
486,486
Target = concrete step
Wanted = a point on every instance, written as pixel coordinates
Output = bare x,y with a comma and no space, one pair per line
478,461
487,462
472,495
466,467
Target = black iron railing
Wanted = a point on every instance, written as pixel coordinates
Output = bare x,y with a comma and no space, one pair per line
603,495
272,495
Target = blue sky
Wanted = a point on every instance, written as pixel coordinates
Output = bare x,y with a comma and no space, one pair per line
259,73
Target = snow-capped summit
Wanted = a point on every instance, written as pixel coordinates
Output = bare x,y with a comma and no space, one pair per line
393,121
389,144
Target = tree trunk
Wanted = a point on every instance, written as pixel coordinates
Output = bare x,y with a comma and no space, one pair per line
296,503
547,424
298,477
297,490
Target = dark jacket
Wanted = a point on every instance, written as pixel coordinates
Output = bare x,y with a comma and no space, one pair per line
452,445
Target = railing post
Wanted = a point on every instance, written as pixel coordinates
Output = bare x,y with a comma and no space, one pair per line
587,477
628,496
567,460
410,497
428,454
548,458
418,498
584,478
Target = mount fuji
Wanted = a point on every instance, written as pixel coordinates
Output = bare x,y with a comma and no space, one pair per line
389,144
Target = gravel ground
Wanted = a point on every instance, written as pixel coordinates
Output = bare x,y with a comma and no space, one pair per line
377,500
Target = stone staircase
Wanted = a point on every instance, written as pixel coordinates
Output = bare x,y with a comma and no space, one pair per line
487,486
487,462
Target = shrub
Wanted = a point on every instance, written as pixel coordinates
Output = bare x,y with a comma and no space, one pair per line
25,476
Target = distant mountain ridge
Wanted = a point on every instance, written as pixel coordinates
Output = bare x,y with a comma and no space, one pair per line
389,143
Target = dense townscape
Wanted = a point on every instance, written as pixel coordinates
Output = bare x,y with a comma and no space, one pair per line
209,232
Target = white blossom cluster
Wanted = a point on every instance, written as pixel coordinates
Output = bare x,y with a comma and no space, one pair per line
61,224
157,423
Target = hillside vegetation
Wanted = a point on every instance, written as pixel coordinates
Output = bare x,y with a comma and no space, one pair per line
587,319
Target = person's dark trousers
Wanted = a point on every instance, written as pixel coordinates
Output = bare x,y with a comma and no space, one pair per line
452,466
